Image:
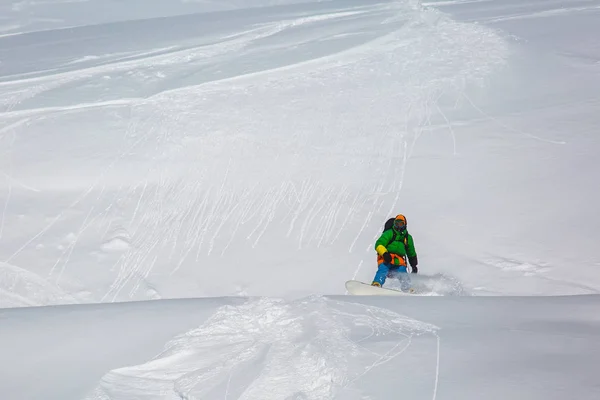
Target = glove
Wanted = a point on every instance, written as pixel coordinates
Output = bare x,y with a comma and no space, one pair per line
413,264
387,257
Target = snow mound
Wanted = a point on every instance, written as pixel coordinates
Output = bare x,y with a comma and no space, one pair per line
313,348
22,288
118,241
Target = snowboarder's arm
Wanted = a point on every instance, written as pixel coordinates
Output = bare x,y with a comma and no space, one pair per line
383,241
411,252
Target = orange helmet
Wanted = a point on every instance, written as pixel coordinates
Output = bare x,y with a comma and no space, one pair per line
400,223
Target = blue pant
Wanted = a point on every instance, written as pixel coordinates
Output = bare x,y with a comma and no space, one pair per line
393,271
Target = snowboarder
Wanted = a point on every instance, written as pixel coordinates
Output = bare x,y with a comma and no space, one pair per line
393,247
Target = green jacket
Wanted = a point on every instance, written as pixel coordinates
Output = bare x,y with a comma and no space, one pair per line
397,246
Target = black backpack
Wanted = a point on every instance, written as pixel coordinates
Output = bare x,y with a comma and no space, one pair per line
389,225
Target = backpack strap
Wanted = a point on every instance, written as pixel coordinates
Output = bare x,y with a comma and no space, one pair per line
393,239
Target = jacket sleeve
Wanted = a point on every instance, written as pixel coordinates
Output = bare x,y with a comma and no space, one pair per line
411,252
383,241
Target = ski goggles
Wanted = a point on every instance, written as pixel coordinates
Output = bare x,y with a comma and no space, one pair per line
399,225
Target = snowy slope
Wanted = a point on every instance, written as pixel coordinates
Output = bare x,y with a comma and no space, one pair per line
252,148
468,348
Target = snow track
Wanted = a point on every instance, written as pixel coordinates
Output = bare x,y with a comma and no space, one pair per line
271,349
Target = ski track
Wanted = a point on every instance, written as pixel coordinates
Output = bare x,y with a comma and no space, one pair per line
542,14
191,200
509,10
537,270
312,348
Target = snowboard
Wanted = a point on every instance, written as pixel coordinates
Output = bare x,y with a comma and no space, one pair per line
359,288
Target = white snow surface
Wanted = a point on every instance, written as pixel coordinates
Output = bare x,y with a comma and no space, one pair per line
185,186
339,347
